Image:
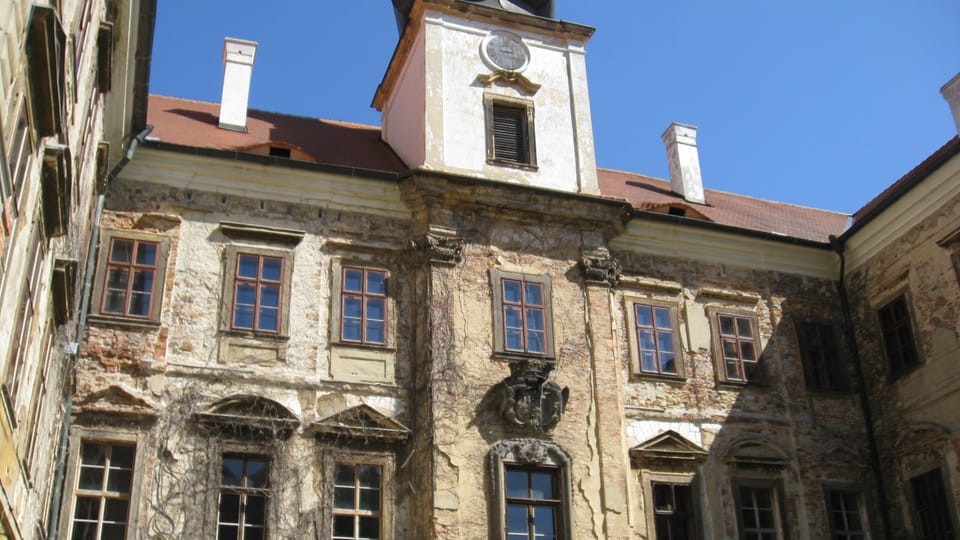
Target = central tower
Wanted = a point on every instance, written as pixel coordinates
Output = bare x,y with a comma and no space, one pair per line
493,89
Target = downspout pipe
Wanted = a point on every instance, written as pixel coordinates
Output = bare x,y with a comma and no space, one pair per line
838,245
53,518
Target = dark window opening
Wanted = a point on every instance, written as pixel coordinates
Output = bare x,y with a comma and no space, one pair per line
279,151
930,507
822,365
898,336
534,504
673,511
677,211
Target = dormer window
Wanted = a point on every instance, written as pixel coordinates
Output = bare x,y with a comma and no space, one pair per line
510,139
279,151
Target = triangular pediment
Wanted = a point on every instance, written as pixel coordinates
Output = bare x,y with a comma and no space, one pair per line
362,422
668,445
117,400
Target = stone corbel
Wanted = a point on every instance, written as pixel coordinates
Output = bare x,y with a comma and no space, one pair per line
510,78
600,267
444,249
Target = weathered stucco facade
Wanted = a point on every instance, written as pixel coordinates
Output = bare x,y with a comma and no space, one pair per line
452,328
69,83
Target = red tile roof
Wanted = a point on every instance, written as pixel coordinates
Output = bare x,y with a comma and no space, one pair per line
646,193
194,123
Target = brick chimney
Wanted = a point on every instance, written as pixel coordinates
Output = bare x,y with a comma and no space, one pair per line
684,161
951,93
238,55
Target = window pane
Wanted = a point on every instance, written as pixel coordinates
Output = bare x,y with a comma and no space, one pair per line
119,481
117,278
726,325
343,527
343,498
142,281
663,497
370,500
733,370
91,478
376,309
270,296
663,318
246,294
84,531
369,476
514,339
87,508
376,282
115,510
227,532
353,280
231,472
513,317
272,269
541,485
534,296
747,351
248,266
647,361
122,456
517,519
374,332
345,475
369,528
511,291
351,329
112,531
516,484
255,510
252,533
534,319
269,319
544,521
120,250
257,470
646,340
147,254
113,301
535,341
229,508
139,304
352,307
243,317
668,363
644,315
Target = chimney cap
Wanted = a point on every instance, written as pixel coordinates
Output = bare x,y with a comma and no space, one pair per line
951,93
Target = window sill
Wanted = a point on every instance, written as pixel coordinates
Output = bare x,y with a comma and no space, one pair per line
513,164
505,356
740,385
261,336
658,377
357,345
116,320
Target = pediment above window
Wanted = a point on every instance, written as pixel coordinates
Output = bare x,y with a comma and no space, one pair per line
668,445
362,422
248,417
118,401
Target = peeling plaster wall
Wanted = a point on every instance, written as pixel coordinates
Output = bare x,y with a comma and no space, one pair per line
918,425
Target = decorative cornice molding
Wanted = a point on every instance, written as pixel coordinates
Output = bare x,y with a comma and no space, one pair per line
510,78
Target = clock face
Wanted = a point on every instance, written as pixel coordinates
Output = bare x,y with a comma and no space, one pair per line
505,51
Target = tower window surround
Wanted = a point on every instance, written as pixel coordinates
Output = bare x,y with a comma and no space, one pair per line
510,131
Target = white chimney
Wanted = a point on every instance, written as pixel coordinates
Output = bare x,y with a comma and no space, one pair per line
951,93
684,161
238,55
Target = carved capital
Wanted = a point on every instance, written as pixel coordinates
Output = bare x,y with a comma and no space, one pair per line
444,249
600,267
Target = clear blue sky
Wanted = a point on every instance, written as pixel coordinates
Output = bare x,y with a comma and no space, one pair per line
819,103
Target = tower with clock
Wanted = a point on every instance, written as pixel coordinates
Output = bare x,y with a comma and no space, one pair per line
493,89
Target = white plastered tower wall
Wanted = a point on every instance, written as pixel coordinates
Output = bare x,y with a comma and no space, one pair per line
432,98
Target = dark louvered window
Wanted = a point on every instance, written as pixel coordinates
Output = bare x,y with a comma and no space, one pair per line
510,133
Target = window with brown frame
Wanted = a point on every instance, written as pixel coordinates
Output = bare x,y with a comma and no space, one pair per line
522,314
931,507
897,330
102,497
357,502
533,503
363,305
759,512
845,515
738,347
244,497
673,511
822,366
130,275
654,332
258,283
509,124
